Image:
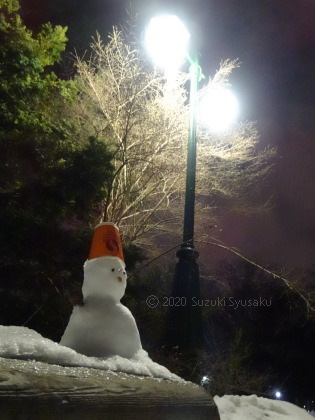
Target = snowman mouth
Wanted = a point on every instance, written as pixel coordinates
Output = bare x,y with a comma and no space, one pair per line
119,279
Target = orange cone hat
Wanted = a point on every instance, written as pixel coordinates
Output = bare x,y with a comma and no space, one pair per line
106,242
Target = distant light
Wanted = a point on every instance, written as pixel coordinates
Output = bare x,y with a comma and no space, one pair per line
278,394
167,41
205,380
218,109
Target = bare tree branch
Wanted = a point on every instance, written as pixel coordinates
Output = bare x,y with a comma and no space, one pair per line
144,119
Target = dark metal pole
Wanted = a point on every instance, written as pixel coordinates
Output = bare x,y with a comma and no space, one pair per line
189,214
185,327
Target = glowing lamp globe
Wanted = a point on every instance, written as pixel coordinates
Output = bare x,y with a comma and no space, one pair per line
167,41
218,109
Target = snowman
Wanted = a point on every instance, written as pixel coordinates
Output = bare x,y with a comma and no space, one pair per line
102,326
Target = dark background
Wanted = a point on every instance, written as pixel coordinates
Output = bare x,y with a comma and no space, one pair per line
275,41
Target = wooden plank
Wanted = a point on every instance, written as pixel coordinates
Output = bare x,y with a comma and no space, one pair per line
32,390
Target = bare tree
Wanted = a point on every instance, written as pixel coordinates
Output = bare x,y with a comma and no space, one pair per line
144,118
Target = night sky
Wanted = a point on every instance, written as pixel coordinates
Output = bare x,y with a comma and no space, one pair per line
275,41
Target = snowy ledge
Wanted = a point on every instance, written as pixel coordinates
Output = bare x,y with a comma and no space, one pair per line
37,390
42,380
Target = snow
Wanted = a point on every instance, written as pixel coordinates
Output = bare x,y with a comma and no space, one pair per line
24,343
235,407
100,278
103,327
102,334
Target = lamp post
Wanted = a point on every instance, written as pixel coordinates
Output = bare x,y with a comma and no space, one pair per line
189,213
167,40
185,325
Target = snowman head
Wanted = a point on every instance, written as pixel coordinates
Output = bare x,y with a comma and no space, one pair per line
104,277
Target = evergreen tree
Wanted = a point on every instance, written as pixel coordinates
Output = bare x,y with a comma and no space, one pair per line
51,183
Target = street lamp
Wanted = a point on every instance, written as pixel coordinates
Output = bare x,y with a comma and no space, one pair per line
167,42
218,109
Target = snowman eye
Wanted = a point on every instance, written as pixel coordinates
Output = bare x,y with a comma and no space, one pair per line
113,269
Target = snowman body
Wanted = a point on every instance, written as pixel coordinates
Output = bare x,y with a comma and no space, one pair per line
102,326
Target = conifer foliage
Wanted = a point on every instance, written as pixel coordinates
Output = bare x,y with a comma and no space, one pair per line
50,182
